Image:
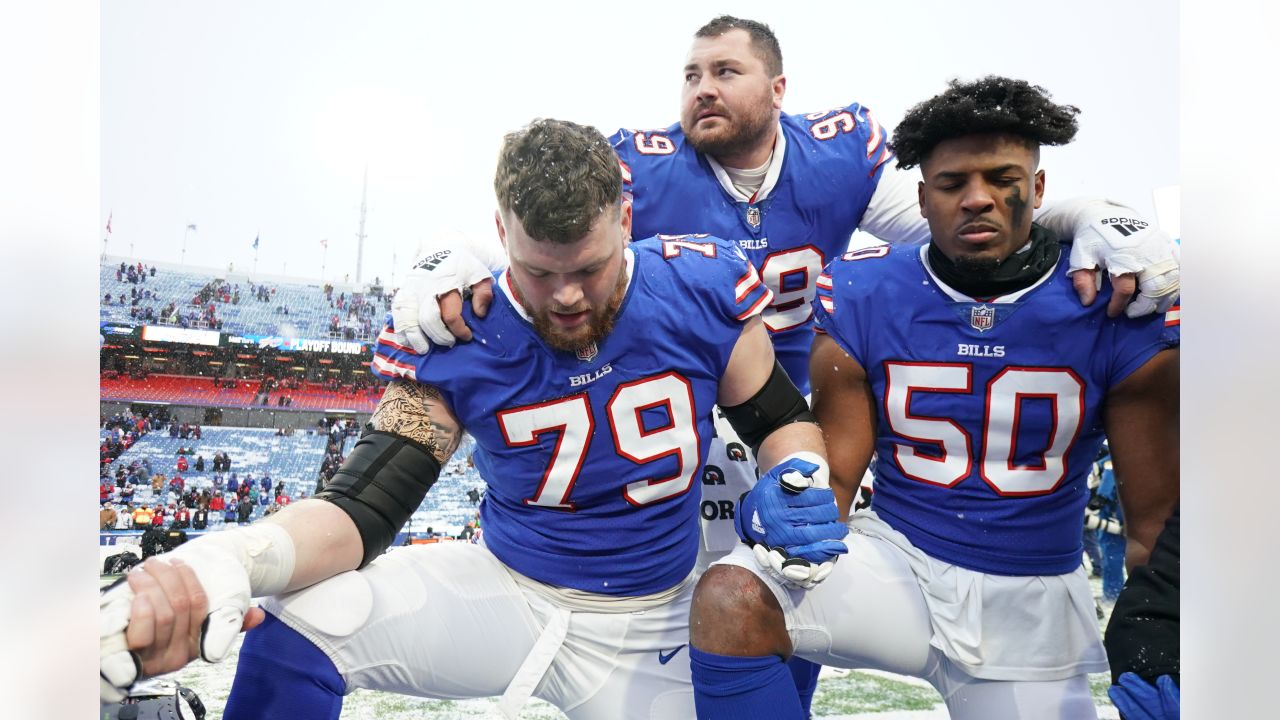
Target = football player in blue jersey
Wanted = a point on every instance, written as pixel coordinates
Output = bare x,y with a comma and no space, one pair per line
589,389
789,189
983,394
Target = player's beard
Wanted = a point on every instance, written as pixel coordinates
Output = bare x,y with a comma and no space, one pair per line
977,267
740,133
595,329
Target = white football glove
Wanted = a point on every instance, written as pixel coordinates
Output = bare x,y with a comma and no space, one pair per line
789,571
225,583
231,566
1123,243
415,311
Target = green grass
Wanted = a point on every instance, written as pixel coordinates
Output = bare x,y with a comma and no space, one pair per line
863,693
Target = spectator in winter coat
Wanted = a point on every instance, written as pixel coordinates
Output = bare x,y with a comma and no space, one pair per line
142,517
107,518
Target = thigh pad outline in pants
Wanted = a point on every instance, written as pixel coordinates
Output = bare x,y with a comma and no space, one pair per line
970,698
869,613
441,621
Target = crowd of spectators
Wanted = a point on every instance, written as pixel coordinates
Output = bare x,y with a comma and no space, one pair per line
174,503
351,316
338,431
123,430
357,313
134,274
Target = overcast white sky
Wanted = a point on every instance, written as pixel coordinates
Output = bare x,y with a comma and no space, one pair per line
250,118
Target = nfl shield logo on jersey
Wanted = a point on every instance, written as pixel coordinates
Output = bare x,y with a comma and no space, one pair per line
982,317
753,216
587,353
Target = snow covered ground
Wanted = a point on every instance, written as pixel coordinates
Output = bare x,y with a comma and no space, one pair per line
856,695
841,695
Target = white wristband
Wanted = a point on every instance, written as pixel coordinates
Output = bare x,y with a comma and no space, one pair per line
821,477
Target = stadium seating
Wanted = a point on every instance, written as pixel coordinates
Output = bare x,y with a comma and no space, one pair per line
187,390
296,461
310,311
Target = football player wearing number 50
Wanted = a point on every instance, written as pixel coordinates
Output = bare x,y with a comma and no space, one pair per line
589,388
789,189
984,394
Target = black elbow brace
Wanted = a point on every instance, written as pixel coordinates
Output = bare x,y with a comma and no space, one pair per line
777,403
380,484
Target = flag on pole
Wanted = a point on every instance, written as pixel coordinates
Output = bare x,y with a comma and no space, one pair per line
255,240
325,243
191,227
109,223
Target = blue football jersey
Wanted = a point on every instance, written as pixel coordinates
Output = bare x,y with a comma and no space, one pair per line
590,457
989,412
800,218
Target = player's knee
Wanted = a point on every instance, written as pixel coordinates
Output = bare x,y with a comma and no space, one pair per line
734,613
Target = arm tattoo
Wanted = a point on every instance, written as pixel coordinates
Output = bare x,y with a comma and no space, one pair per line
419,413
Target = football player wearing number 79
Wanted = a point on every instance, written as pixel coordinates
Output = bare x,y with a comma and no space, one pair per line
589,387
984,395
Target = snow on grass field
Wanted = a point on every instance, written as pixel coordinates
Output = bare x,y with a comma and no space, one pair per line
841,695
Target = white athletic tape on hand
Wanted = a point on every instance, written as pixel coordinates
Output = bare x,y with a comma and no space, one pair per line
231,566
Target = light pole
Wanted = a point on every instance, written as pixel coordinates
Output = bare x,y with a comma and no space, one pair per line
185,233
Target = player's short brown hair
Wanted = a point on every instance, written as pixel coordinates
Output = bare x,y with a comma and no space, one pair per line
557,177
763,41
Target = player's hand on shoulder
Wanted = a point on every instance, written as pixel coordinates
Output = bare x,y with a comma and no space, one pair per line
1143,260
428,306
168,611
791,522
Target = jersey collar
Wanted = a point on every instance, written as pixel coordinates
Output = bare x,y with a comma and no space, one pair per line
770,178
504,283
961,297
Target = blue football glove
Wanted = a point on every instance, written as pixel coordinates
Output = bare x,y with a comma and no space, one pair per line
791,522
1136,699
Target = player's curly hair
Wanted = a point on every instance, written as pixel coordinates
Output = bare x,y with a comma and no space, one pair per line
763,41
992,104
557,177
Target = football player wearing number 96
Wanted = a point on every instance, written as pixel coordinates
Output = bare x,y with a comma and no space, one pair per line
789,189
589,388
984,394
